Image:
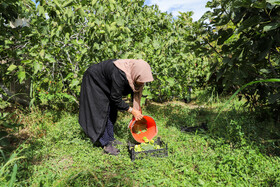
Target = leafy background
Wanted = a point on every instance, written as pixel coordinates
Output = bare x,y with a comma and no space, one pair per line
235,43
43,61
65,38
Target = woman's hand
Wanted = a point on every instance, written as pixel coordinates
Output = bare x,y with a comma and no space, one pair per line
137,114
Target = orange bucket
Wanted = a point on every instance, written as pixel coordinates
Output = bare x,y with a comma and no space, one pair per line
147,124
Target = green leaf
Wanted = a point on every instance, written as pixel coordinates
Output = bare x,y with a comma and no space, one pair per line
156,44
93,2
171,81
26,61
259,4
58,31
41,10
114,48
146,40
112,1
13,177
84,50
81,12
37,67
52,32
57,4
147,147
67,36
120,22
271,26
12,67
32,101
147,92
8,42
74,82
69,13
45,80
70,75
44,41
266,71
96,46
224,35
69,3
42,53
251,21
273,2
21,76
49,58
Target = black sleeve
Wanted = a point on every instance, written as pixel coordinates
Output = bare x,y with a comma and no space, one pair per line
117,88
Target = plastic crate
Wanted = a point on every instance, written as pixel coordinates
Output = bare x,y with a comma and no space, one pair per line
162,152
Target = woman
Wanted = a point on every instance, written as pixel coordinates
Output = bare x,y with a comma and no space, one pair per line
102,89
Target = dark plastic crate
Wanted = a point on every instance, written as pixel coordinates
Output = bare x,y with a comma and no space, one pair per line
162,152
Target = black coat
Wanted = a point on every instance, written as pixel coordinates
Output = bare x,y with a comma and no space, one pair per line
102,89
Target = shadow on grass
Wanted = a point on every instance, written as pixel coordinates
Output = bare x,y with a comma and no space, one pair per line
26,129
232,126
11,134
181,115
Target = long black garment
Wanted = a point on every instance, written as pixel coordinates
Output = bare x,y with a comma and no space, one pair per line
102,87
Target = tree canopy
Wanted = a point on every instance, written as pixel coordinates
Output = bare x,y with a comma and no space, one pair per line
234,43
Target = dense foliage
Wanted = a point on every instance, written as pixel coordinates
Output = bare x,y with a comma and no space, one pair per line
244,37
46,47
237,40
64,37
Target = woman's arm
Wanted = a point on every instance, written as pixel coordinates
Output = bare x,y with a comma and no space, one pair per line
117,87
116,96
136,113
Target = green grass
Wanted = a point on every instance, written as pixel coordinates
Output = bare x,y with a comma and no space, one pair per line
237,150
